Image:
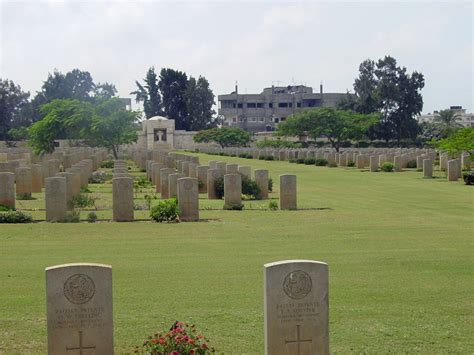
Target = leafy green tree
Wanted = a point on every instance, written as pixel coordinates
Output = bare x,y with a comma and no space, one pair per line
448,122
149,94
338,126
173,84
199,102
18,134
225,137
388,89
13,102
104,91
104,124
461,141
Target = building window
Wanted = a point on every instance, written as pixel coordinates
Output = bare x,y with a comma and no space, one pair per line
283,119
298,104
251,105
270,105
262,119
233,105
260,105
276,120
239,105
290,104
283,104
234,119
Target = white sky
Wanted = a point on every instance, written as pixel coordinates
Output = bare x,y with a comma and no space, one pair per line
256,43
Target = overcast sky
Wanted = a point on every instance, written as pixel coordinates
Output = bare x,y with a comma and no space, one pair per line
254,43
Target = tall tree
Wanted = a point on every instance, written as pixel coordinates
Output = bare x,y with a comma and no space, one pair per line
448,122
338,126
149,94
104,91
199,102
387,88
13,101
173,85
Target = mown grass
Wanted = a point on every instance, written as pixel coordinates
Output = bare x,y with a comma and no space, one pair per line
399,249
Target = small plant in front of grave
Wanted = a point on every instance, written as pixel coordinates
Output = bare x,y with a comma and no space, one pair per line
269,157
85,190
234,207
148,199
200,184
4,208
99,177
387,167
351,164
83,200
72,217
233,155
321,162
411,164
468,178
182,338
108,164
270,185
310,161
166,211
261,157
332,164
91,217
15,217
273,205
249,156
292,161
250,188
300,161
26,196
219,187
141,183
242,155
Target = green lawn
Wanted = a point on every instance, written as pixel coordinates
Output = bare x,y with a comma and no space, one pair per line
399,249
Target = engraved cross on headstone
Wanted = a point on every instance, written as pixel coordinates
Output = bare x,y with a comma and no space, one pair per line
81,347
298,340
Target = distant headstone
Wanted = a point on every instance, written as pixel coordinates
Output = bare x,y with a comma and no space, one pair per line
232,190
7,189
36,178
427,168
23,183
397,163
245,171
296,305
79,309
288,192
212,176
374,166
202,177
261,178
69,189
122,195
188,199
55,198
164,182
173,184
232,168
453,167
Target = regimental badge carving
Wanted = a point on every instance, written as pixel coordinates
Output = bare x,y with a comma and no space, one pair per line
188,185
297,284
79,289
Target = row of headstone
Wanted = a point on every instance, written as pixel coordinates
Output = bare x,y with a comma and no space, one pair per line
79,308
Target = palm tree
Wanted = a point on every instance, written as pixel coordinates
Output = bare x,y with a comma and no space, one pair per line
448,121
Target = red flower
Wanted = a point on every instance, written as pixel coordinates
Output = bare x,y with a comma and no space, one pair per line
162,341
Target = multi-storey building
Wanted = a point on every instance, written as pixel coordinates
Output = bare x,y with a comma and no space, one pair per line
465,119
263,112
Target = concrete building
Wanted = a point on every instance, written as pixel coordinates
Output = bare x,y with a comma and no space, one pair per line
465,119
263,112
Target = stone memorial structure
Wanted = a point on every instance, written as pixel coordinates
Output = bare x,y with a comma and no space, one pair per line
261,178
36,178
202,177
7,189
23,183
164,182
427,168
173,184
79,309
212,176
296,305
232,190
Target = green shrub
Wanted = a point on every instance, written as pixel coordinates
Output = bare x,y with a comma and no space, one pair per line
141,183
300,161
321,162
233,155
387,167
261,157
468,178
242,155
249,156
219,187
273,205
25,196
250,188
82,201
72,217
411,164
234,207
4,208
15,217
91,217
107,164
85,190
269,157
351,164
270,184
99,177
166,211
292,161
332,164
310,161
